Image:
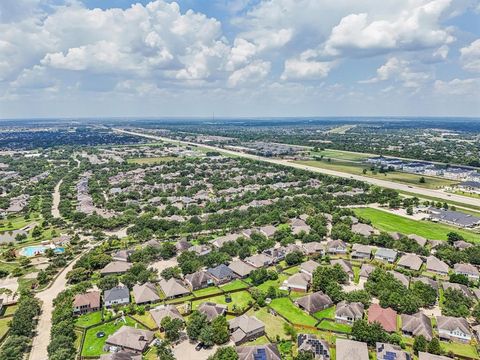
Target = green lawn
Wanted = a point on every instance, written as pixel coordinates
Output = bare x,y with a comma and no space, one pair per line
275,283
327,313
153,160
89,319
461,349
240,300
211,290
93,346
4,325
333,326
10,310
290,311
234,285
395,176
273,324
262,340
292,270
146,319
78,339
341,155
391,222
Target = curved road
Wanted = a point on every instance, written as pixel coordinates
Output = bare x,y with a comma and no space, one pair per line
383,183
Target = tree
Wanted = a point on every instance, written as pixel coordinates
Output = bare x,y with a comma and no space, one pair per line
224,353
476,312
425,292
221,333
453,236
42,277
456,303
164,352
294,258
107,282
459,279
421,180
196,322
169,272
207,336
172,328
434,347
419,344
305,355
369,333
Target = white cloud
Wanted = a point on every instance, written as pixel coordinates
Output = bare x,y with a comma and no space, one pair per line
458,87
470,56
296,69
253,72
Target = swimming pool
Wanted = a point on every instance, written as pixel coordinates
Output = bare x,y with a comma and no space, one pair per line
38,250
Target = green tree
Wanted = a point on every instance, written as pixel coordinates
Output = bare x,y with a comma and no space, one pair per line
196,322
164,351
434,347
419,344
224,353
369,333
172,328
221,333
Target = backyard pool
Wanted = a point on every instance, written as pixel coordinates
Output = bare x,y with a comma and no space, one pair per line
39,249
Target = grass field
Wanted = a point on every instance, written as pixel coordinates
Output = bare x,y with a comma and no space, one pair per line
461,349
152,160
287,309
146,319
395,176
240,300
333,326
78,339
89,319
93,346
275,283
327,313
391,222
340,155
273,324
211,290
292,270
4,326
234,285
9,310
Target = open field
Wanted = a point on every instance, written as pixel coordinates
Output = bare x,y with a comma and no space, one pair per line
390,222
333,326
93,346
290,311
89,319
340,129
327,313
240,300
395,176
234,285
341,155
152,160
460,349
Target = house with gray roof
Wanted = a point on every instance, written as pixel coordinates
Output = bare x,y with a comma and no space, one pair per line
391,352
410,261
437,266
241,268
163,311
122,255
315,302
427,281
119,295
258,352
245,328
337,247
363,229
115,267
172,288
453,328
259,260
456,218
428,356
460,287
360,251
145,294
345,265
268,230
212,310
308,267
385,254
221,274
312,248
298,282
348,313
420,240
222,240
400,277
130,339
198,280
298,226
351,350
310,343
366,270
469,270
121,355
416,325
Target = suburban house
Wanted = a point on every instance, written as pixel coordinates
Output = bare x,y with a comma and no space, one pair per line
130,339
337,247
416,325
245,328
462,245
145,294
308,267
241,268
221,274
453,328
366,270
259,260
277,254
347,313
385,254
315,302
299,225
173,288
385,317
163,311
313,248
121,355
122,255
298,282
410,261
456,218
220,241
363,229
428,356
212,310
465,290
85,303
183,245
391,352
468,270
268,230
201,250
427,281
258,352
198,280
360,251
345,265
351,350
118,295
437,266
319,347
420,240
115,267
400,277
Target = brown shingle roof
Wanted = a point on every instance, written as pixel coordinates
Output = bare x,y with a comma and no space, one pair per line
145,293
314,302
91,299
131,338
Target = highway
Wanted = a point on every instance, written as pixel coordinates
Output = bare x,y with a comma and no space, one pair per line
383,183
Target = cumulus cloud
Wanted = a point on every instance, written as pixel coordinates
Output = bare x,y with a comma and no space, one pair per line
458,87
253,72
297,69
470,56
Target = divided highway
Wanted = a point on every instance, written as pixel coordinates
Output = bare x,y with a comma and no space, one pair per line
383,183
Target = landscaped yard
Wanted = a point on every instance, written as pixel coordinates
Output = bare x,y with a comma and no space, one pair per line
93,346
4,326
290,311
333,326
292,270
390,222
240,300
78,340
275,283
211,290
234,285
10,310
273,324
460,349
146,319
262,340
89,319
327,313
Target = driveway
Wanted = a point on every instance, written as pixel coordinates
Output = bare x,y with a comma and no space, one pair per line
186,350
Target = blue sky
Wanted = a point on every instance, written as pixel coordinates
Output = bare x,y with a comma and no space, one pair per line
88,58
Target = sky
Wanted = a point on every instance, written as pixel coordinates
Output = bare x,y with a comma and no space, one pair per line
239,58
